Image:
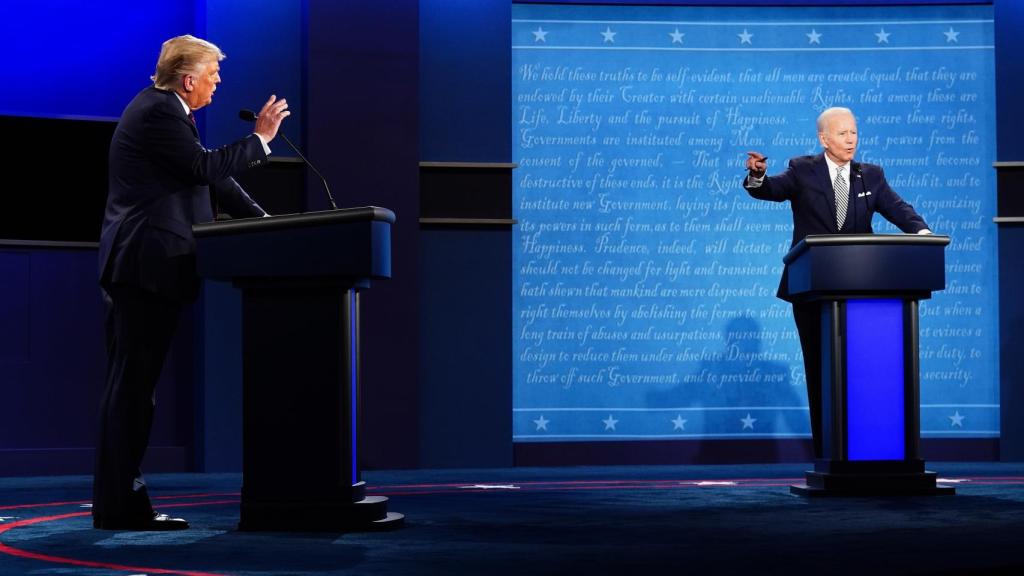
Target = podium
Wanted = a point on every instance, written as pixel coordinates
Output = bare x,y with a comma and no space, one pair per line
869,286
300,277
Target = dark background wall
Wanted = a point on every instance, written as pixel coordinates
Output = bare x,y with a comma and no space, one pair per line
465,254
1010,154
376,88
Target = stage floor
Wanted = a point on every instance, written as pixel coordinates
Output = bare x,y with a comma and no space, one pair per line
525,521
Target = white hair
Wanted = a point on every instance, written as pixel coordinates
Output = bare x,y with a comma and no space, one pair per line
824,117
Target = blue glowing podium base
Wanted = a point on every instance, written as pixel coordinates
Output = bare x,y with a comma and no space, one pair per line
869,286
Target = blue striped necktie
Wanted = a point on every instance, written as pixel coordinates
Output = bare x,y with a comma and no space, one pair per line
842,197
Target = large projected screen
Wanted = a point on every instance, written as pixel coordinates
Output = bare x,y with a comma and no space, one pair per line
645,276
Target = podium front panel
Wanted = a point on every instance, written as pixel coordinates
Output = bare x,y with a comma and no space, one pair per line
875,427
862,269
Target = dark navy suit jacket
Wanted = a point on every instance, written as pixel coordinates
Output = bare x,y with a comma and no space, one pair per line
159,186
808,187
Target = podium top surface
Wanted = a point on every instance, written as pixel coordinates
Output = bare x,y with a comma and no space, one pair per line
862,240
340,216
319,247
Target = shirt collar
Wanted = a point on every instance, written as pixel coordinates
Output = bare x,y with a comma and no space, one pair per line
832,166
183,104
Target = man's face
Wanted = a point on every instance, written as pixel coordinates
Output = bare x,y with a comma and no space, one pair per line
203,84
840,138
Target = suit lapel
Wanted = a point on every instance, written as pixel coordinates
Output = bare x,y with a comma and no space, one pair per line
822,177
195,129
175,103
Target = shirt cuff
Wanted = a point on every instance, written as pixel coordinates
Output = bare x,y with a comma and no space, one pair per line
266,149
924,231
754,182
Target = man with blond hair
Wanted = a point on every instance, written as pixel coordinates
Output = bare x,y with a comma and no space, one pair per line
161,182
829,193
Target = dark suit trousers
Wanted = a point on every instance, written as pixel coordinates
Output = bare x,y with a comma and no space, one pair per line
139,328
808,325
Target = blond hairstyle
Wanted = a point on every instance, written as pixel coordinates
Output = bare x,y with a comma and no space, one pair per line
180,56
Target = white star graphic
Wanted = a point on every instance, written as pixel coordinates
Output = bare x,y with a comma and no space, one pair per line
542,423
748,422
540,35
610,422
951,35
883,36
677,36
813,37
609,36
745,37
956,420
679,423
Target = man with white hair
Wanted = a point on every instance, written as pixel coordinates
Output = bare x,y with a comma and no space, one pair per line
829,193
161,182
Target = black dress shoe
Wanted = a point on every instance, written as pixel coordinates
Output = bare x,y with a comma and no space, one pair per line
157,522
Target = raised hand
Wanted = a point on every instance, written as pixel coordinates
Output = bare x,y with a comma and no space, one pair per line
270,117
757,164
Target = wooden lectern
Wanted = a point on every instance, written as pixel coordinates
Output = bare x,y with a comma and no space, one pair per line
869,286
300,277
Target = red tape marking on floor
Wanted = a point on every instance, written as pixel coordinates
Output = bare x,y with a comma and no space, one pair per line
10,550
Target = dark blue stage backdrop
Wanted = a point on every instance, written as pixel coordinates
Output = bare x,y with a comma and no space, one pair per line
645,276
85,58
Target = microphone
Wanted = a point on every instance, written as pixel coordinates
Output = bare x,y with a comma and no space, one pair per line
250,116
855,166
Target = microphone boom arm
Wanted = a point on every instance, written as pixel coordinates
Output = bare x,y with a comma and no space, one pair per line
251,116
327,188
